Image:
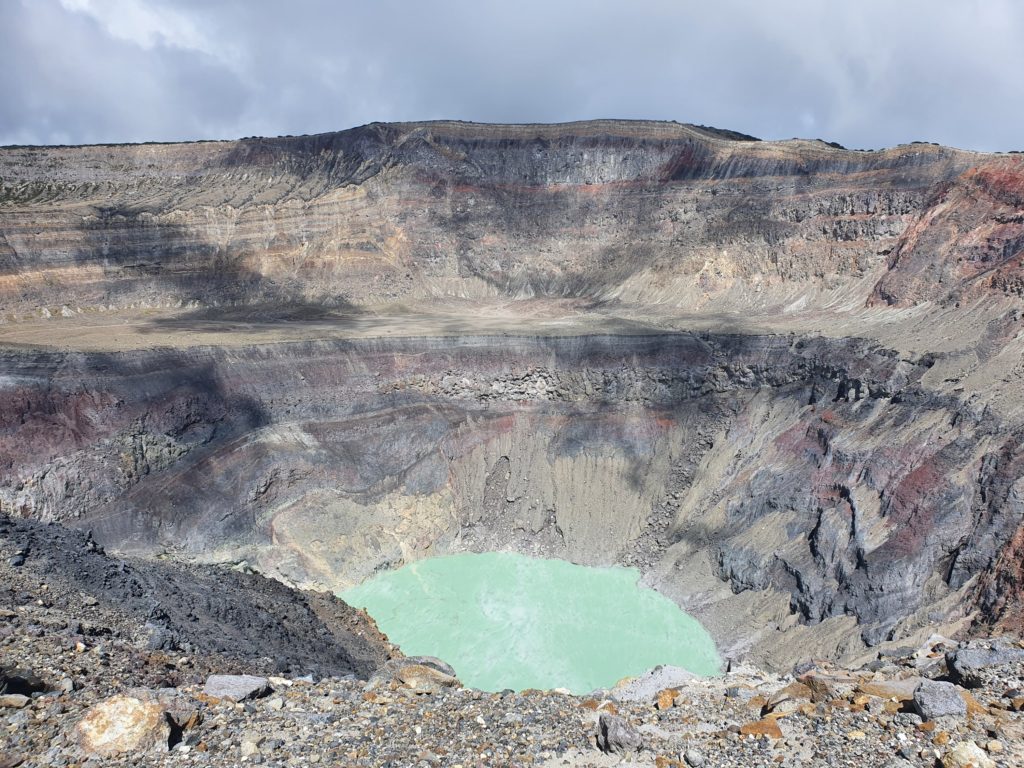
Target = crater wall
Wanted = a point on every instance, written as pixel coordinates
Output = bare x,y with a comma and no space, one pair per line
780,378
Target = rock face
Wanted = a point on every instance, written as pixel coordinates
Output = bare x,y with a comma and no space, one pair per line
404,211
781,378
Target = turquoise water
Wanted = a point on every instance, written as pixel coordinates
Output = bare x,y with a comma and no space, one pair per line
503,620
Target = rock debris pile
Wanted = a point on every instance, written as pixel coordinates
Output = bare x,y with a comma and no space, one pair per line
80,686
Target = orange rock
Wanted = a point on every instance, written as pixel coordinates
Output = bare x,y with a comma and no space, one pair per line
667,698
764,727
796,690
974,707
941,738
901,690
666,762
828,686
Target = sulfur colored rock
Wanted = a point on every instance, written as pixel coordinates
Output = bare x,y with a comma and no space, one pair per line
766,727
236,687
967,754
666,698
974,707
616,735
123,724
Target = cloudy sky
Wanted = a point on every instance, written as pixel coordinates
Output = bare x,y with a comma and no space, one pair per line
866,73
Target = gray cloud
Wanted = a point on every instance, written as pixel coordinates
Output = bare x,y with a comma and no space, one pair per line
866,74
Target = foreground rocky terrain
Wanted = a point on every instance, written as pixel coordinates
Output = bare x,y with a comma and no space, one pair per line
83,685
782,379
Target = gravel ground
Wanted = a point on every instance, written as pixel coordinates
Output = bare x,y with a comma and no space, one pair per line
85,651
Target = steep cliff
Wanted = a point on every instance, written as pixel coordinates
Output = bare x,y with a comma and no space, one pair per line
404,211
780,377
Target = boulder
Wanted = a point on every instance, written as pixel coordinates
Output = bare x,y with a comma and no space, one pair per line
788,699
666,699
123,724
967,754
420,677
934,699
966,665
899,689
236,687
13,700
826,686
420,673
616,735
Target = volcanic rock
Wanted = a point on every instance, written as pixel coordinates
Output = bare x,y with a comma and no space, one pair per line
779,378
967,754
616,735
934,699
123,724
236,687
967,665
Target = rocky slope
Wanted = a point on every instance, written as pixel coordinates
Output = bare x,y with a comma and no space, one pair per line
645,211
242,620
782,378
98,697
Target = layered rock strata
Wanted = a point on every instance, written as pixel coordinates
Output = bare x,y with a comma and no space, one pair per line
779,377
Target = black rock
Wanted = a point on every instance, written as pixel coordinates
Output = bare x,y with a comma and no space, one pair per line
616,735
22,681
965,665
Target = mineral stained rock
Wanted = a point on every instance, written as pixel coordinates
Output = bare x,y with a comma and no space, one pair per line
781,378
123,724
